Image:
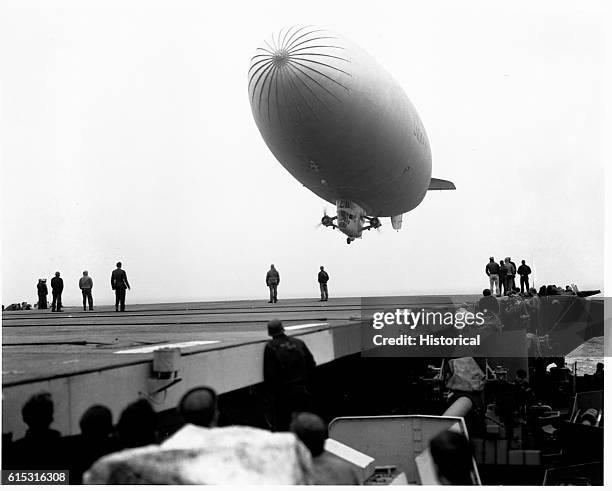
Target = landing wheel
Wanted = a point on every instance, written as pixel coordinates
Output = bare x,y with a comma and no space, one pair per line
349,240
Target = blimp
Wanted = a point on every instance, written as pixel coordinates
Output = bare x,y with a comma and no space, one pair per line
341,125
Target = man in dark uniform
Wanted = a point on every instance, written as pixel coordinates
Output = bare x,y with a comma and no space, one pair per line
199,406
119,283
57,287
323,279
524,271
327,468
273,280
287,366
503,272
488,303
41,447
42,293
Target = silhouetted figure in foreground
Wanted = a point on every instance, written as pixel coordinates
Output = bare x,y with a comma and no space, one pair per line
119,283
41,447
272,281
598,376
97,439
523,392
86,285
42,290
551,290
199,410
57,287
452,455
137,425
199,407
287,366
599,370
326,467
488,303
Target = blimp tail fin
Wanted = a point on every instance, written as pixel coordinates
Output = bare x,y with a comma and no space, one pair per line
440,185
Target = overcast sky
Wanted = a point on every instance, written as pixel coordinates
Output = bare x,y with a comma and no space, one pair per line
126,134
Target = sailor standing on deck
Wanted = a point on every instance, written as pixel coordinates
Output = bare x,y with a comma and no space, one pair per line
492,271
41,287
86,284
57,287
273,280
503,273
524,271
323,279
119,283
511,274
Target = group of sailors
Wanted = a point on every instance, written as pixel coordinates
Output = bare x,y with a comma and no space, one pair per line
502,276
119,283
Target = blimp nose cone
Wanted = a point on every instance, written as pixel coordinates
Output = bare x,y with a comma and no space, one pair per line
297,73
280,57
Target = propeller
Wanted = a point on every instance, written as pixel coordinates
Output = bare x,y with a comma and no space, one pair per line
327,221
320,222
374,223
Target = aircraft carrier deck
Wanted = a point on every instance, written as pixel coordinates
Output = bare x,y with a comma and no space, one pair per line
86,358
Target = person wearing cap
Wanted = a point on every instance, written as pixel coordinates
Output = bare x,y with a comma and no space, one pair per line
42,290
57,287
492,271
272,281
86,284
287,366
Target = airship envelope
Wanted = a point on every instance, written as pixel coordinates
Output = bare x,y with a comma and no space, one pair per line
339,123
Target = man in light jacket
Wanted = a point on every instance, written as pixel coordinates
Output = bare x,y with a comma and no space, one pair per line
86,284
492,271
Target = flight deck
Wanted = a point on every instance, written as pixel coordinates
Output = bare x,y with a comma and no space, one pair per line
83,358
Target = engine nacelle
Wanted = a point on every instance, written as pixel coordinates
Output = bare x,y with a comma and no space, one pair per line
327,221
